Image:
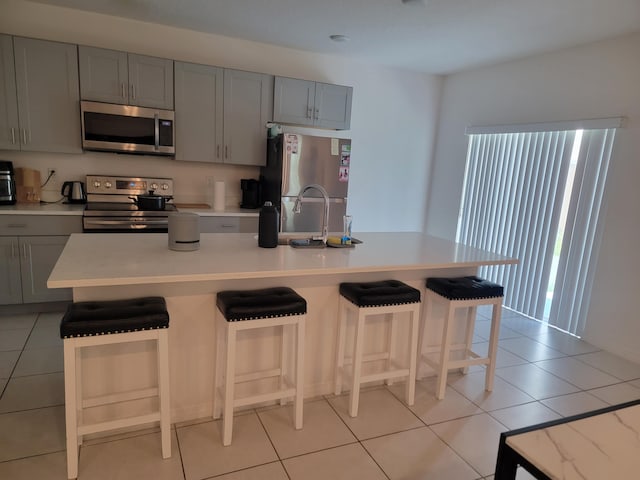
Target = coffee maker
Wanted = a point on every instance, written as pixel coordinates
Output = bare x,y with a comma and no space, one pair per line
251,197
7,183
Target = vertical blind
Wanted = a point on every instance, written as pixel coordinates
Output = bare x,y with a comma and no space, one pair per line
512,202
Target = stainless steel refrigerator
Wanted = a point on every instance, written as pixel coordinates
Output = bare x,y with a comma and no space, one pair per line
295,161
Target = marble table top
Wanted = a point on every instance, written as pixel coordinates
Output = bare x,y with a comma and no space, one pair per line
604,446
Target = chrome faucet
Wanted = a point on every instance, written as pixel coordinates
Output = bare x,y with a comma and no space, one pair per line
325,218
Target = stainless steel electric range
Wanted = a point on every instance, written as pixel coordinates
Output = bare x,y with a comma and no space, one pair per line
111,204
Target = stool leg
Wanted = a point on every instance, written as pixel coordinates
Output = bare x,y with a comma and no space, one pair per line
285,358
357,364
342,333
298,402
70,398
410,393
79,419
220,359
229,386
163,387
426,315
493,345
445,352
471,325
391,342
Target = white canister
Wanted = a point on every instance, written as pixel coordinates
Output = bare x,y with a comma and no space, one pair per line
219,196
184,231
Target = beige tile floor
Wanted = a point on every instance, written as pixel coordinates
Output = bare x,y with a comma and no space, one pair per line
542,375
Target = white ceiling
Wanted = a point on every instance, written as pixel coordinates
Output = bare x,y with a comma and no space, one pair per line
433,36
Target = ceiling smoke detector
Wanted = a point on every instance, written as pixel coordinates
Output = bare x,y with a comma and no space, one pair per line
339,38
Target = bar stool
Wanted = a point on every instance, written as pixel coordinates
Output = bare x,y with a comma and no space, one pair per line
463,292
388,297
90,324
250,310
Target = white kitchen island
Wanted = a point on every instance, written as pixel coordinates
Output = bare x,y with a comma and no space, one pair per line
118,266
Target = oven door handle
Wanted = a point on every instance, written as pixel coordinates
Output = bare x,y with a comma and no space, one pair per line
156,132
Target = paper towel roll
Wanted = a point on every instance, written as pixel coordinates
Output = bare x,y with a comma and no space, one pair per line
218,196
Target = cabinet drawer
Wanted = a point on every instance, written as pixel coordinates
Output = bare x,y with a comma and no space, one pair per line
219,224
40,224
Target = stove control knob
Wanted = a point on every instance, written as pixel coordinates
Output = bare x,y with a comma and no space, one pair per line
165,186
107,184
96,183
154,186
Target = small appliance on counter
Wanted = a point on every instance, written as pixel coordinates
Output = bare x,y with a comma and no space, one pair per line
184,231
7,183
28,185
74,191
251,197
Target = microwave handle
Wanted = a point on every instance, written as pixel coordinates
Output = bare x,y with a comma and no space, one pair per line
156,132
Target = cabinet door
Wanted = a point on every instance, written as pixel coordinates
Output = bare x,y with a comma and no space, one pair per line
48,95
10,286
9,131
198,97
150,82
293,101
103,75
38,256
248,106
333,106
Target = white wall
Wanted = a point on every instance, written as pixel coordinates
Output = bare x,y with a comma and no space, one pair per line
393,113
593,81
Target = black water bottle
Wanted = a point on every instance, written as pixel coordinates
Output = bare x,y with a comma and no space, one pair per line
268,226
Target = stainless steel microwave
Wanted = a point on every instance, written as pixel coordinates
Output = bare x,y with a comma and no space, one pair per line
127,129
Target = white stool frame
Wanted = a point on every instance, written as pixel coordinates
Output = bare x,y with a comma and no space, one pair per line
291,385
444,364
393,370
75,403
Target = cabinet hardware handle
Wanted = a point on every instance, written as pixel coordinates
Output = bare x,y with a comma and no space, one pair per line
17,225
227,225
309,112
133,91
226,151
124,90
218,151
24,136
156,131
13,135
317,113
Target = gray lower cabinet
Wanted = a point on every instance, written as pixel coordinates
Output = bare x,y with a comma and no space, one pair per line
40,105
221,114
125,78
314,104
228,224
30,253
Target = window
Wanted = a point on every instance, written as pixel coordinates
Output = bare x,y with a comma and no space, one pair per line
535,192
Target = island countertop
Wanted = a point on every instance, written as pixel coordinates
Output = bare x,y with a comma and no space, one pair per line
93,260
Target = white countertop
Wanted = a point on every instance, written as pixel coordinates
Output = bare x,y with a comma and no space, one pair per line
60,208
57,208
94,259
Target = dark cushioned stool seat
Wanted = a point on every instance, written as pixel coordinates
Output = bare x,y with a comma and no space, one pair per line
237,305
465,288
114,316
377,294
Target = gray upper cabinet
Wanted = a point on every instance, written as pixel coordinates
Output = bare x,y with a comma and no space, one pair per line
118,77
199,111
248,106
313,104
9,128
221,114
45,95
